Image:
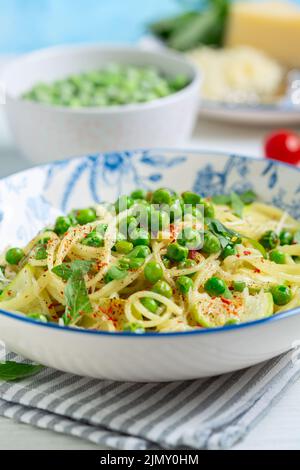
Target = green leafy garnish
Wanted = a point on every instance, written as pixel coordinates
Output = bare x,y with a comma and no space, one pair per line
66,270
77,299
224,234
193,28
236,201
237,204
221,199
11,371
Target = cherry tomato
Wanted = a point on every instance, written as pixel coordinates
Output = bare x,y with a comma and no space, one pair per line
284,146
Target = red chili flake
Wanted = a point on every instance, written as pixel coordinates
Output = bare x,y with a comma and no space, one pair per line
247,253
193,254
225,301
231,288
238,256
256,270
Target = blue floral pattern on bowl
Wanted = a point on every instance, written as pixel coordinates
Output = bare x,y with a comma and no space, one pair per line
32,199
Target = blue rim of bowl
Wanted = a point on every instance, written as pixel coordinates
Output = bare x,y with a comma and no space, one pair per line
203,331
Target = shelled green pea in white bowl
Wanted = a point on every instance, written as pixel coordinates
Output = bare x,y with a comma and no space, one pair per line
73,100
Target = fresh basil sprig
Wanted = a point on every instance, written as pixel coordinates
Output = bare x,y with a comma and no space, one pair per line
236,201
77,299
224,234
11,371
66,270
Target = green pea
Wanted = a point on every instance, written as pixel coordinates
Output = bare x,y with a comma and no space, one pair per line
176,210
138,194
93,240
62,225
215,287
286,237
101,229
185,284
38,317
134,328
114,273
282,295
166,261
196,212
269,240
229,250
188,263
14,256
140,251
86,216
163,288
153,272
124,247
232,321
41,253
209,210
136,263
191,238
123,203
192,198
277,257
158,220
177,252
211,243
161,196
140,236
150,304
239,286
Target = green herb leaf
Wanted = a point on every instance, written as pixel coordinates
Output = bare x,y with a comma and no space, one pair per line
66,270
224,234
221,199
237,205
10,371
77,299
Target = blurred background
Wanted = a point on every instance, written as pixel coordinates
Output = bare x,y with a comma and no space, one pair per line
32,24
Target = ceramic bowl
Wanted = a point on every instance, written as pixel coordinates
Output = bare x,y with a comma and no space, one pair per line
32,199
45,133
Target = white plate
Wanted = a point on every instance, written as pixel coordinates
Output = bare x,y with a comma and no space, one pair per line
30,200
280,113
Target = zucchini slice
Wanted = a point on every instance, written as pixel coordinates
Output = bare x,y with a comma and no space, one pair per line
21,282
211,312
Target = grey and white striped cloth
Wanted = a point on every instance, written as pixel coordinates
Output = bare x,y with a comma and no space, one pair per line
212,413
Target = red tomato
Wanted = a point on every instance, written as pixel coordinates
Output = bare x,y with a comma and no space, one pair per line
284,146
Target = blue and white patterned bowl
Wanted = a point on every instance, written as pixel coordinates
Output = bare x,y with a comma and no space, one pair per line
31,199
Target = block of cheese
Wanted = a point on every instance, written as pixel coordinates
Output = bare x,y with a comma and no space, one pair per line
271,26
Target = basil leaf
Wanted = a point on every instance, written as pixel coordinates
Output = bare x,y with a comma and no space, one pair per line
66,270
77,299
221,199
10,371
224,234
237,205
248,197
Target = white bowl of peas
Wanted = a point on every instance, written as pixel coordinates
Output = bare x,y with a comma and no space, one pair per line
73,100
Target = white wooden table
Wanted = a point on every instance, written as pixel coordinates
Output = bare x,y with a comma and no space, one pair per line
280,429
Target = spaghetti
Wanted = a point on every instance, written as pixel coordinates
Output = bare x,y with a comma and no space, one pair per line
158,262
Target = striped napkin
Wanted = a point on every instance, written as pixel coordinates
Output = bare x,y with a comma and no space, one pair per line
211,413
